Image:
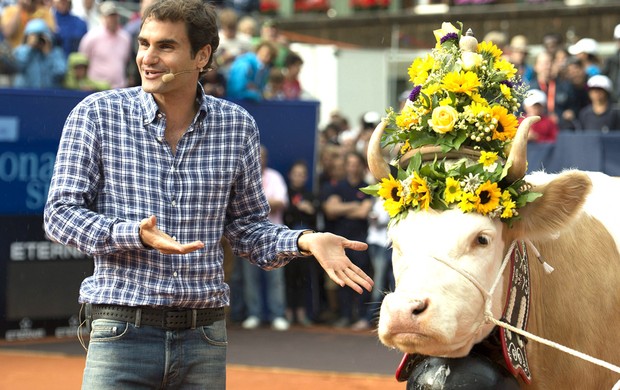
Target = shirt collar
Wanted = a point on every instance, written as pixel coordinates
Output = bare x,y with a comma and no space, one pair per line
150,107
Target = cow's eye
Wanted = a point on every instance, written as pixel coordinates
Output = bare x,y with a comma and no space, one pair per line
483,240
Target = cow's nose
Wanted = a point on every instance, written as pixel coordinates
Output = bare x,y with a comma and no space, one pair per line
418,307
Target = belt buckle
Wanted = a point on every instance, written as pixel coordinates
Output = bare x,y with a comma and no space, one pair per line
177,319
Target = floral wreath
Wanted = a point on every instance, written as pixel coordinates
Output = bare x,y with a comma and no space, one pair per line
464,97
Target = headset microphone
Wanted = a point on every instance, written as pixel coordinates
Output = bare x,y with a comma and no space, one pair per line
169,77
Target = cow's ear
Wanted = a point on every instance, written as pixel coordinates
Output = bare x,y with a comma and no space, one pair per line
562,200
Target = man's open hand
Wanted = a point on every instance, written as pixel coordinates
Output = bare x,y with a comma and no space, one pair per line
328,249
152,237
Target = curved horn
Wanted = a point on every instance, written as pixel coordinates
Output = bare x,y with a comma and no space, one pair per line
517,159
377,165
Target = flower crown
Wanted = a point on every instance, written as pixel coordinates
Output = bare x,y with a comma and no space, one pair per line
464,98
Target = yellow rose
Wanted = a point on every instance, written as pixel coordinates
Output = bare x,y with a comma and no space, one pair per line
470,60
443,119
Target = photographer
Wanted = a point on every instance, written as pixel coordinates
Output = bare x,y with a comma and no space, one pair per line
40,63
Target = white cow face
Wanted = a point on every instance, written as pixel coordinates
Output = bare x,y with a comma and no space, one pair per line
435,310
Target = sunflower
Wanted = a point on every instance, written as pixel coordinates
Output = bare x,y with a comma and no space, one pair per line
420,68
407,117
490,48
461,82
488,195
487,158
507,124
468,202
506,67
508,204
390,189
453,191
418,193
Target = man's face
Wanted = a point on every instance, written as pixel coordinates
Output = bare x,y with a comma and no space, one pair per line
164,48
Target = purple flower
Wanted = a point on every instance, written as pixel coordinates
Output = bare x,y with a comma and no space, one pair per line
448,37
415,92
507,83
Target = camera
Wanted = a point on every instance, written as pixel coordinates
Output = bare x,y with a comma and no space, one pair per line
41,40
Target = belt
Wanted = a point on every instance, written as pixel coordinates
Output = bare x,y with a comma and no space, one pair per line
161,318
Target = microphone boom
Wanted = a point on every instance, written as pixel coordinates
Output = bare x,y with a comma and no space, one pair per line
169,77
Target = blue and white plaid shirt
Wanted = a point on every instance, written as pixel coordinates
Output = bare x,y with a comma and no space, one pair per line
114,168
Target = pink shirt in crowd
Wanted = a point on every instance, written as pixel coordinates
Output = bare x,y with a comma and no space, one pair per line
108,54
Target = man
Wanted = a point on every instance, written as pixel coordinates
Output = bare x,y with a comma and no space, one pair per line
14,19
249,73
611,67
70,27
273,289
148,180
347,208
108,48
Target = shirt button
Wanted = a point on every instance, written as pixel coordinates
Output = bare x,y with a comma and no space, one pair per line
175,274
174,238
174,202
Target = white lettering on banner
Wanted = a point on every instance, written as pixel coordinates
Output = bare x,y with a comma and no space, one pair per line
31,168
42,251
71,330
25,331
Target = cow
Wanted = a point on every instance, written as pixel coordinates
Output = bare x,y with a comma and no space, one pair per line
436,308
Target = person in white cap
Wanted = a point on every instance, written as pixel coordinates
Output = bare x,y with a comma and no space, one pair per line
611,68
534,104
586,49
601,114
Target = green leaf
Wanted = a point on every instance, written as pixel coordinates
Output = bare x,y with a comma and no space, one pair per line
372,190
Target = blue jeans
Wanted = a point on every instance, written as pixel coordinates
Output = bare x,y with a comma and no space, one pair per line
273,290
123,356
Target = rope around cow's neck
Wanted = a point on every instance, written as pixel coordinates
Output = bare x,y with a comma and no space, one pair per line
489,318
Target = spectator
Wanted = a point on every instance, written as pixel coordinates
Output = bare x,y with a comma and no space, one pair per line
214,83
601,114
535,104
347,208
586,50
133,29
69,28
249,73
274,90
231,45
552,42
273,288
77,75
292,67
16,17
559,92
611,67
269,32
108,48
246,29
302,276
40,63
575,74
380,253
243,7
88,10
517,55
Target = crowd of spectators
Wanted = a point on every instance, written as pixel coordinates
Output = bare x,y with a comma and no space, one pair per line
89,45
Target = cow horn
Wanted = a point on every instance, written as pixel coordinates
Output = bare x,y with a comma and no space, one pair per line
517,159
377,165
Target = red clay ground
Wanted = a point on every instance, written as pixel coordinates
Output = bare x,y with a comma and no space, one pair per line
41,371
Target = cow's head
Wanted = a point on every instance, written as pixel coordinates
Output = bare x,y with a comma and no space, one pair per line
436,309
